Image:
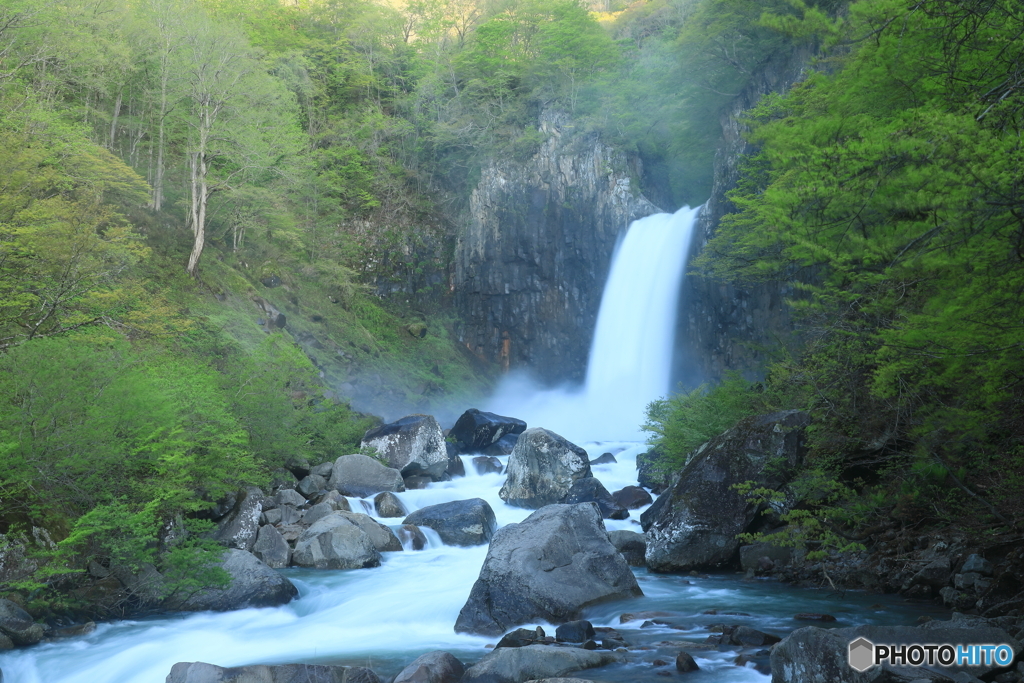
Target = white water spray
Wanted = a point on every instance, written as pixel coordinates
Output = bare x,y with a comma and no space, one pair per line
631,354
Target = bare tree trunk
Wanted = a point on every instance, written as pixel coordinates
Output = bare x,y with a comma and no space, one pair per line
158,180
113,119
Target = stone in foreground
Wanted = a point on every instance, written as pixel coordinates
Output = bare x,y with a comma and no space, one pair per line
201,672
253,584
460,522
548,567
433,667
695,523
335,542
521,664
542,469
413,445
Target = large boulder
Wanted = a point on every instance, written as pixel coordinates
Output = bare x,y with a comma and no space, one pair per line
460,522
548,567
387,504
433,667
475,430
237,529
335,542
360,476
695,522
17,625
818,655
649,472
456,468
253,584
201,672
413,445
521,664
382,537
503,446
632,545
542,469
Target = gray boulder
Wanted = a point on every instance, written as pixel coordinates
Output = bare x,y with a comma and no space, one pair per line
311,484
977,564
521,664
411,537
456,468
334,542
632,497
817,655
387,504
433,667
289,497
475,430
590,490
413,445
542,469
237,529
253,584
460,522
17,625
360,476
335,500
631,545
201,672
324,469
695,522
382,537
271,549
503,446
548,567
487,464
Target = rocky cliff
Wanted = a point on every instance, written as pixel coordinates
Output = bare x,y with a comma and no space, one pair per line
722,326
532,259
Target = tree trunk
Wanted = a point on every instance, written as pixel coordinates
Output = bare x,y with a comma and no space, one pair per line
113,119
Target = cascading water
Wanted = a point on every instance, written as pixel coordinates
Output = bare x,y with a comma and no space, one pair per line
387,616
631,353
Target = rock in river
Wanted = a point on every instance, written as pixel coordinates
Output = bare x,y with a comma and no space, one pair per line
413,445
460,522
475,430
549,566
360,476
521,664
253,584
201,672
542,469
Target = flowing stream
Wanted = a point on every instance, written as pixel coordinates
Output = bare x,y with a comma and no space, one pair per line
387,616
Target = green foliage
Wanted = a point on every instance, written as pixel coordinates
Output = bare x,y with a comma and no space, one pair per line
886,189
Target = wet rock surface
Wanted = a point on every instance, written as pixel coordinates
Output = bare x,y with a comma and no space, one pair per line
413,445
542,469
476,430
201,672
460,522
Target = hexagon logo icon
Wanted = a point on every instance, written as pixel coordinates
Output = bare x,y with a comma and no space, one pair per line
862,654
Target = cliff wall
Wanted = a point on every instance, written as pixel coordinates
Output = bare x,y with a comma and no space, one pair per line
534,253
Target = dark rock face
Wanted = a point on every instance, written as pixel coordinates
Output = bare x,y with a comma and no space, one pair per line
271,549
632,497
414,445
542,469
487,464
590,490
387,504
575,632
521,637
695,523
817,655
17,625
411,537
631,545
456,468
201,672
550,566
685,663
531,263
604,459
360,476
253,584
534,662
433,667
460,522
476,430
648,475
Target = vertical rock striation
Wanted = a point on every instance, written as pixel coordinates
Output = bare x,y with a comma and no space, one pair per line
531,262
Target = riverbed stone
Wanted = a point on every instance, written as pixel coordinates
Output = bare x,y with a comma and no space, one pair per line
521,664
694,524
335,542
578,631
818,655
387,504
201,672
237,529
271,549
414,445
411,537
475,430
977,563
253,584
548,567
631,545
487,464
289,497
311,484
360,475
456,468
382,537
433,667
459,522
632,497
590,489
542,469
503,446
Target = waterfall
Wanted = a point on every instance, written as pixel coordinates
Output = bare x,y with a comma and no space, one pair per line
631,353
